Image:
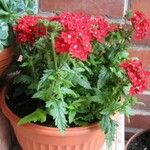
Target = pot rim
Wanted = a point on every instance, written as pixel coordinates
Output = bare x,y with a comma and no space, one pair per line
46,130
135,136
7,51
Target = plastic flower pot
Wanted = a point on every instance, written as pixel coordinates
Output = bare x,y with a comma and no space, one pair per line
5,59
139,141
36,137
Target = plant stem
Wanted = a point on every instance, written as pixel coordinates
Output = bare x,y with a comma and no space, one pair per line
54,52
48,60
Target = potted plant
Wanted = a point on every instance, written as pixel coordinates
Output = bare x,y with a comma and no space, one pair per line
139,141
74,76
10,11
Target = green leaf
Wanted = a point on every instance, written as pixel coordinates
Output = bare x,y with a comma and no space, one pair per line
3,4
111,134
72,115
128,111
103,77
105,123
46,76
41,95
128,14
56,26
3,30
22,79
37,116
67,91
109,126
117,71
82,81
1,47
98,97
57,109
126,89
3,13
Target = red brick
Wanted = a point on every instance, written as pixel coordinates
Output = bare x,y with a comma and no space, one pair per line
143,6
138,121
144,99
143,55
111,8
145,42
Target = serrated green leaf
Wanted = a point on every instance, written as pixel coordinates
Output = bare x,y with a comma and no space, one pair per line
3,30
111,134
56,26
5,42
72,115
42,95
117,71
126,89
38,115
45,78
67,91
3,35
82,81
109,126
128,111
57,109
103,77
25,79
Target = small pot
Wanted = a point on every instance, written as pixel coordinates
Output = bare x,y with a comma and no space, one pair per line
135,136
6,58
36,137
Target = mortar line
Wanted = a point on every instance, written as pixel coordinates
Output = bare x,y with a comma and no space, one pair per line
126,2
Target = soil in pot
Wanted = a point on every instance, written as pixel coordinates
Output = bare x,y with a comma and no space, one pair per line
21,104
141,142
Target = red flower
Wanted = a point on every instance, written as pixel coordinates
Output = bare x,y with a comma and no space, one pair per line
27,29
80,51
137,75
61,46
99,28
79,32
141,25
68,36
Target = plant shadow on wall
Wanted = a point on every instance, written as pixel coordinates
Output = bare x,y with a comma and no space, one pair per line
10,11
75,70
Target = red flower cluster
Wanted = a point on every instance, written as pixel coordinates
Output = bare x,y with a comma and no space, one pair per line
141,25
27,29
79,31
137,75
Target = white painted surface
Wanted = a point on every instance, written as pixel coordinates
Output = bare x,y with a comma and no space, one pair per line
125,7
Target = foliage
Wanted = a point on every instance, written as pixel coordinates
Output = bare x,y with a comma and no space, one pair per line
37,115
76,72
10,11
4,35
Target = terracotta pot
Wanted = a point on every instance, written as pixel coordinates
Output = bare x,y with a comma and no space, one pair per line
135,136
36,137
5,59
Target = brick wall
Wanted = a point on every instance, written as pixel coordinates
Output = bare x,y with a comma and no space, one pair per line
114,10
